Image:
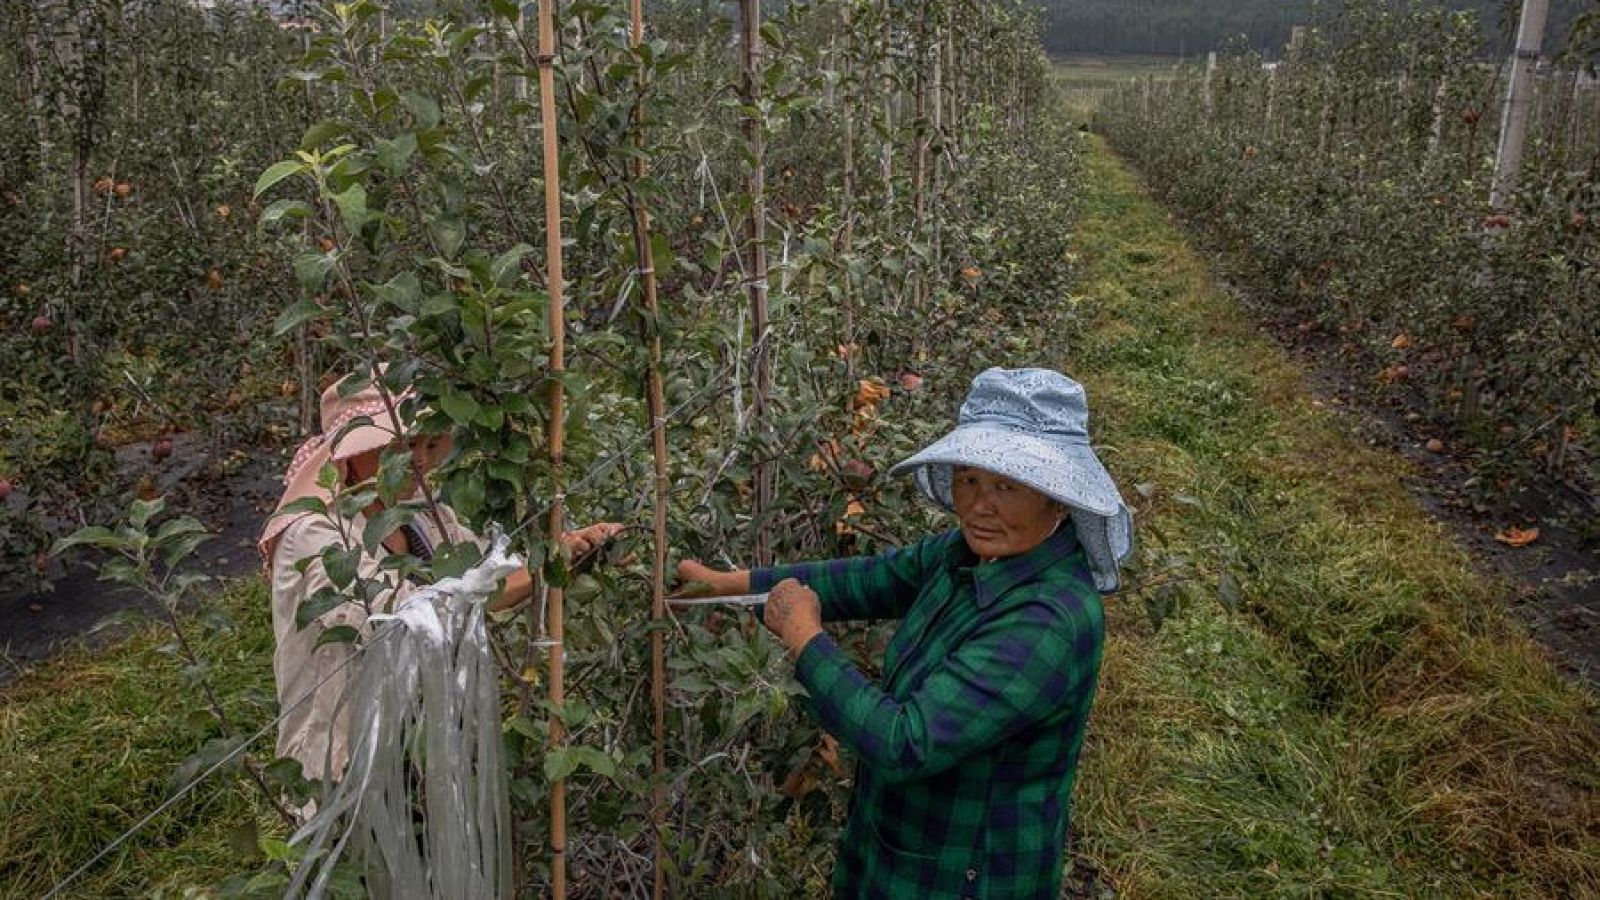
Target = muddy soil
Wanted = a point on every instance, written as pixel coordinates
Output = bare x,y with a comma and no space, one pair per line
228,491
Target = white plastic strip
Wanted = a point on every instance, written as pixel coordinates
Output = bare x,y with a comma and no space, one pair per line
423,804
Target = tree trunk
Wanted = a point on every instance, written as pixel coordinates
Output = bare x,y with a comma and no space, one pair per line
756,188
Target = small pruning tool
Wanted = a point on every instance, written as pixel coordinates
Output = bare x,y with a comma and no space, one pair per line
735,600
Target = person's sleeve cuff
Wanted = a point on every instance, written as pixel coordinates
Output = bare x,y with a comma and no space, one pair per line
819,653
762,580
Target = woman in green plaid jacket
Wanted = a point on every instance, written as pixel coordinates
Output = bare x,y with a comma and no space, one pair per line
968,748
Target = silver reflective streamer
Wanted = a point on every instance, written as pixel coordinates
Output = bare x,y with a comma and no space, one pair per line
423,804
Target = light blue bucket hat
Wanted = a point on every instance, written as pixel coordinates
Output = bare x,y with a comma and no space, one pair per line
1032,426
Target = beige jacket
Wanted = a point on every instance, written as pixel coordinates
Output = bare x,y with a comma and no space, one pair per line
309,732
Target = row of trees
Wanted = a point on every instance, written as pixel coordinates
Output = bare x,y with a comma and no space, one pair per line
690,273
1358,176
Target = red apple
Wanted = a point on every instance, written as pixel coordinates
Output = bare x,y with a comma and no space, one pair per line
5,489
41,324
161,449
910,382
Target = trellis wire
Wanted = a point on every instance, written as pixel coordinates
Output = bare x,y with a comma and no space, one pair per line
188,788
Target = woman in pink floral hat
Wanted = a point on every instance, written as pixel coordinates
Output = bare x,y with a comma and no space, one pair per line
307,531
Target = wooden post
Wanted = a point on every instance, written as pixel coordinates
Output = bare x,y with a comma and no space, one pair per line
756,187
555,622
1211,68
644,252
1514,120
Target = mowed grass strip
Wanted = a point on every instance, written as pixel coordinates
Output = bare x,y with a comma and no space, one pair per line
90,741
1361,718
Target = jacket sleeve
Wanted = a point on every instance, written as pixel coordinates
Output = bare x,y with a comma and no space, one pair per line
863,587
1016,671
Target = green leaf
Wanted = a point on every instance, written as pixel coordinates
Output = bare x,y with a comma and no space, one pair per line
460,407
560,762
300,313
317,605
424,108
176,548
452,560
311,269
338,634
394,155
94,536
140,513
394,475
320,133
352,203
282,209
507,265
466,494
278,172
385,523
341,565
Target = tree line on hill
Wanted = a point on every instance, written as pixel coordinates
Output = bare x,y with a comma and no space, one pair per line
1193,27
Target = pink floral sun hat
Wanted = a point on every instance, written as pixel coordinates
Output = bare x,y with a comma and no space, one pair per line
352,424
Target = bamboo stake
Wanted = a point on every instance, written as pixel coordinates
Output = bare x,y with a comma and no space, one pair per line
756,186
556,438
644,252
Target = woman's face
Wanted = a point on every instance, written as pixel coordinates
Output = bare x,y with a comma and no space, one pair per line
427,451
1000,517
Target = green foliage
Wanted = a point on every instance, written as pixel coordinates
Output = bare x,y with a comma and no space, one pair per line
133,131
1382,126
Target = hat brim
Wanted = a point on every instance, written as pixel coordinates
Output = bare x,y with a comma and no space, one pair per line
360,436
1069,473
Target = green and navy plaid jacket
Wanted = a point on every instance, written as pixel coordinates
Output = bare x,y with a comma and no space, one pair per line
967,751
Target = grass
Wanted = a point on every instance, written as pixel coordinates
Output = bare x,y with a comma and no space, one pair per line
89,742
1360,718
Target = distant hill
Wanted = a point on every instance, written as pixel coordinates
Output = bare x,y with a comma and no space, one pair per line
1193,27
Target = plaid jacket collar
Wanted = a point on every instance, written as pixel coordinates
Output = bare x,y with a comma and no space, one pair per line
993,580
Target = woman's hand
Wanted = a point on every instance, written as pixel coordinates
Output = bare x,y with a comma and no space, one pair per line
793,614
585,540
708,582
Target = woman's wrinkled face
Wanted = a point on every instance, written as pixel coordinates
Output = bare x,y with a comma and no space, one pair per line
1001,517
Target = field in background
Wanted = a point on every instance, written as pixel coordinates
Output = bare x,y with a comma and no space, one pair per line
1086,81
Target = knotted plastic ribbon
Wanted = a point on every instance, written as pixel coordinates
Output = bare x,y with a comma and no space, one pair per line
423,805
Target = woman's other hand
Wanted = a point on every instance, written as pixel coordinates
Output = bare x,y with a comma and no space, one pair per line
793,614
584,540
700,580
